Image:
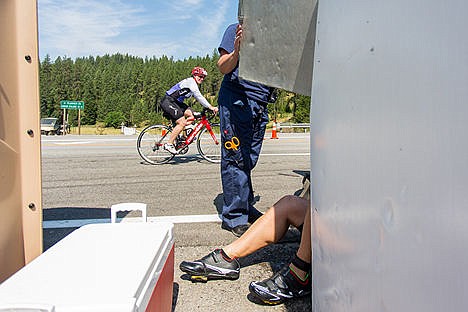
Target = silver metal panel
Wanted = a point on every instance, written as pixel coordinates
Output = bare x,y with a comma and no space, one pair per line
278,44
389,126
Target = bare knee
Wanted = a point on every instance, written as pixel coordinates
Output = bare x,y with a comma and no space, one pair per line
292,208
181,121
288,198
189,115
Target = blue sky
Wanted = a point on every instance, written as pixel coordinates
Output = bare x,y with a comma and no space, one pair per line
181,28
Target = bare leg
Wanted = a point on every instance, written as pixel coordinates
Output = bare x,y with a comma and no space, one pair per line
180,124
189,118
291,281
305,248
305,252
271,227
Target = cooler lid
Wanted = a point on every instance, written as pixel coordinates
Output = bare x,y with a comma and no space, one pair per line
98,265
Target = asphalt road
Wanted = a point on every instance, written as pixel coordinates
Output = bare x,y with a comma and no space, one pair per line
98,171
82,176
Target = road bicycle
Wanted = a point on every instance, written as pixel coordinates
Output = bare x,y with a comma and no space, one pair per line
150,142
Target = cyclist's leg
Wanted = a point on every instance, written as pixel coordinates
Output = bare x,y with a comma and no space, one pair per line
293,280
180,125
188,114
222,263
271,227
176,111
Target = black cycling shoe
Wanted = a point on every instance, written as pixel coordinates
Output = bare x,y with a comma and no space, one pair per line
211,266
282,286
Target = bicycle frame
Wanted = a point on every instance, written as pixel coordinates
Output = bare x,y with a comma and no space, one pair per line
202,123
151,140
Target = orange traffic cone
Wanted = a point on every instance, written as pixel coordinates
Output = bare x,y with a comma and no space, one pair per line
273,131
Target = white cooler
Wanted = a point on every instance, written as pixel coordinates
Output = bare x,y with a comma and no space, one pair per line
100,267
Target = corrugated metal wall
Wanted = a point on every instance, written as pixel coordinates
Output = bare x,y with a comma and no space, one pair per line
389,152
389,156
278,43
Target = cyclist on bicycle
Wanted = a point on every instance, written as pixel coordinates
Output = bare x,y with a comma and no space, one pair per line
173,104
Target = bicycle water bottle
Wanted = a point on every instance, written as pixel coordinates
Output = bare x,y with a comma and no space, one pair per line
188,129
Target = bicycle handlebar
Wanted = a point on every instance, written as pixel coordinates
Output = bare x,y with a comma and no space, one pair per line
204,111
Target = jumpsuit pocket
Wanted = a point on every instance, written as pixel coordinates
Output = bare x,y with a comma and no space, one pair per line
240,116
238,103
232,148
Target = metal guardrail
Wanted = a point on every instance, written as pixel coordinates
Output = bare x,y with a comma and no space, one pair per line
289,125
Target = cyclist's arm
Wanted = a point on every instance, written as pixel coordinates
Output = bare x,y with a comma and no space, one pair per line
201,99
198,96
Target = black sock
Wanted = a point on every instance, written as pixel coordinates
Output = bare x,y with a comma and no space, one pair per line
300,264
303,281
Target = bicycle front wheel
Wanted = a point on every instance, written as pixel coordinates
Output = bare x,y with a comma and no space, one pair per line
207,146
150,144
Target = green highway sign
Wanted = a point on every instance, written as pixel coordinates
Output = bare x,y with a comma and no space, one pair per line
72,104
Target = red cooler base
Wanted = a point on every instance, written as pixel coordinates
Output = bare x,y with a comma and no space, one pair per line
161,298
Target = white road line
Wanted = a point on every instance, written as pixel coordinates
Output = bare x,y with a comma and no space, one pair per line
88,140
55,224
284,154
72,142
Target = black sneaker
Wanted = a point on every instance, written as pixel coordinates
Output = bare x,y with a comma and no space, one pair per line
254,215
211,266
283,285
237,230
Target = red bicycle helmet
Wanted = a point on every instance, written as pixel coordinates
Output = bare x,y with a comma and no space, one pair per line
199,71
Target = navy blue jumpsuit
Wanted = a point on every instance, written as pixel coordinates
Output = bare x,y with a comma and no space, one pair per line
243,114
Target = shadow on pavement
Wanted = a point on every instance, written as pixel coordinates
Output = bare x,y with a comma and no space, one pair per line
175,295
283,252
75,213
52,235
218,202
179,160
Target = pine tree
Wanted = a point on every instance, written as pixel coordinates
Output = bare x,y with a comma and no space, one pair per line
133,87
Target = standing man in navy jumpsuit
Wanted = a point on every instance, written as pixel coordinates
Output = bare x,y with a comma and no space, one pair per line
243,116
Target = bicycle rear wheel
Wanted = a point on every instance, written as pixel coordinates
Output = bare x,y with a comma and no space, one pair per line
207,146
150,144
